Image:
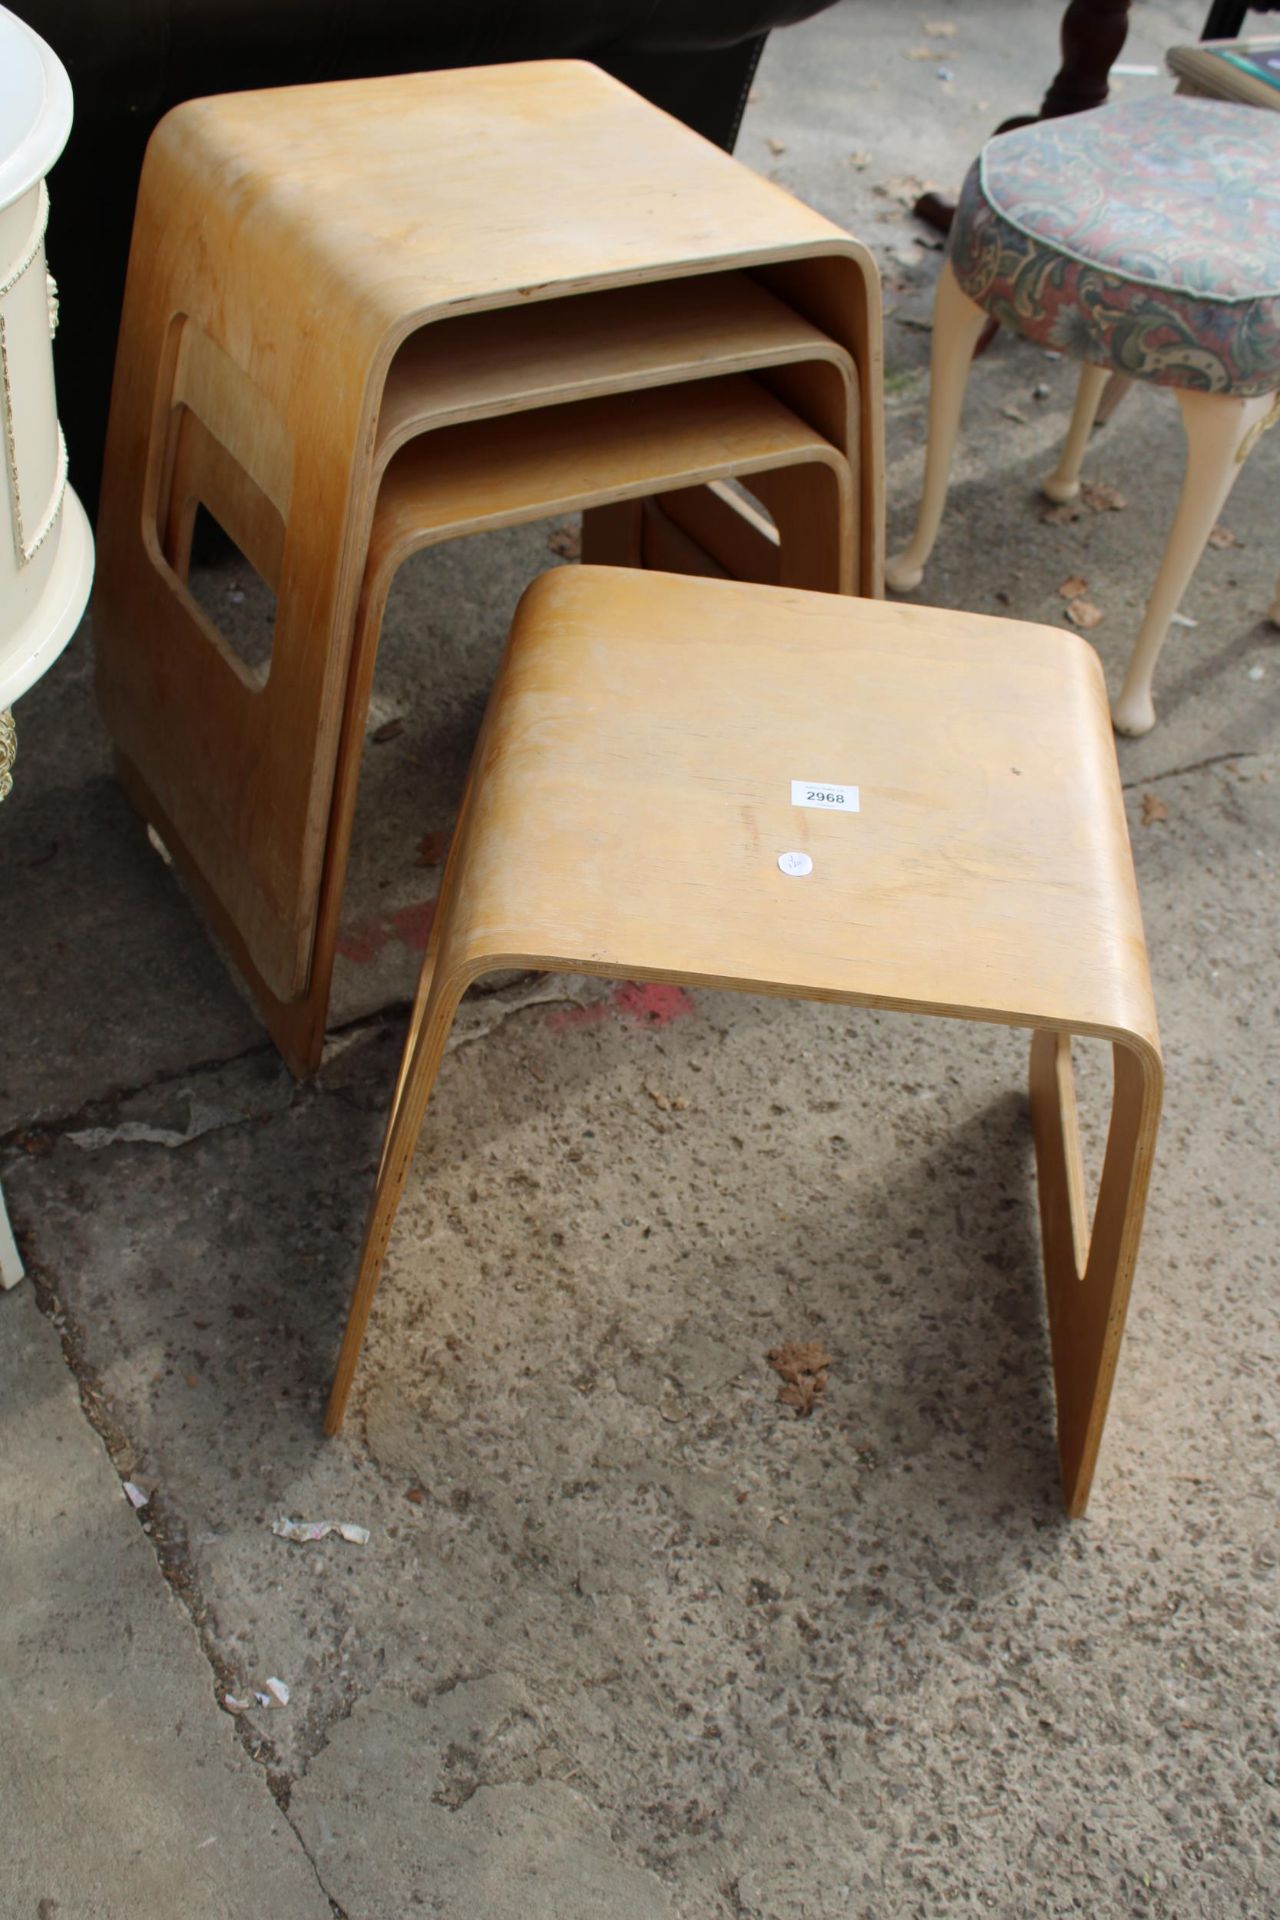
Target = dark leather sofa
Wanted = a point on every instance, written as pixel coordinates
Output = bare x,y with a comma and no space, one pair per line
131,60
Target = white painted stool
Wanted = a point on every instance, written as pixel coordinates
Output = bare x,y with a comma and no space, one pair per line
1144,239
46,562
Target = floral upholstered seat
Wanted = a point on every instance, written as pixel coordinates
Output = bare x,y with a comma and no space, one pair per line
1143,237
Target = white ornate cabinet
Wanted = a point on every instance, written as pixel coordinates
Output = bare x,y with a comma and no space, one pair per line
46,548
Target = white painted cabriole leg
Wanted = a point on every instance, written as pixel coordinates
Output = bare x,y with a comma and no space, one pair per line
1064,482
957,322
1217,428
11,1267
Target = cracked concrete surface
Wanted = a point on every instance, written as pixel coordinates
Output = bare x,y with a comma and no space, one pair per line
124,1789
471,1819
627,1638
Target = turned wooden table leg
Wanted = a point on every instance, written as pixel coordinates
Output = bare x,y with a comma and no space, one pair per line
1093,32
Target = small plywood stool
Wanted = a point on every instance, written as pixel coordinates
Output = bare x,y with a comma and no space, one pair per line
985,873
334,287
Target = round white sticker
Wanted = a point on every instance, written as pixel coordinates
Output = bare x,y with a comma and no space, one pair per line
796,864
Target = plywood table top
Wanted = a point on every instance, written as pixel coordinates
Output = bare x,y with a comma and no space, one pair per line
482,185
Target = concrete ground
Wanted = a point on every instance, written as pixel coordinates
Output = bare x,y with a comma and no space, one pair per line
629,1640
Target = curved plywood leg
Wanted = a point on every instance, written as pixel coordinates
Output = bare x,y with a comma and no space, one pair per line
813,512
1217,428
1064,482
1089,1272
957,322
433,1014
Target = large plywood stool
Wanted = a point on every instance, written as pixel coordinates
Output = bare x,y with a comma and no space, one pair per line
324,277
984,873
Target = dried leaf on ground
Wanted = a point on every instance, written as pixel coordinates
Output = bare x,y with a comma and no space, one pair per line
1011,412
803,1365
1223,537
1083,613
389,730
919,53
1101,497
1072,588
1153,809
1062,514
803,1396
860,160
940,29
776,146
566,541
432,849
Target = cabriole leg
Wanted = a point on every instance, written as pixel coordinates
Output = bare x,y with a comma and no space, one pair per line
1064,482
1216,428
957,322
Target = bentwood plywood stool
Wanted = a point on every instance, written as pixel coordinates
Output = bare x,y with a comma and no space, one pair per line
1144,239
890,807
361,317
